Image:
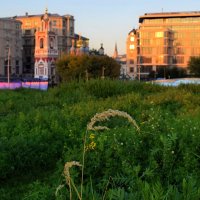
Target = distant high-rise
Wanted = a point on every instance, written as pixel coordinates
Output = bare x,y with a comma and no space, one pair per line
163,40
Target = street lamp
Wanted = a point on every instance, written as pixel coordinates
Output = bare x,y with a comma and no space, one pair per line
103,73
8,67
139,65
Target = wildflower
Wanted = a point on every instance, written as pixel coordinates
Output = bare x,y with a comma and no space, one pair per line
90,146
92,136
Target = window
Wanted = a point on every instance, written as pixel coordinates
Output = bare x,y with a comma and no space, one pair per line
131,61
51,43
41,70
131,69
27,23
64,23
132,46
180,60
146,59
71,30
158,34
41,43
17,69
28,32
17,26
132,39
54,23
160,59
17,66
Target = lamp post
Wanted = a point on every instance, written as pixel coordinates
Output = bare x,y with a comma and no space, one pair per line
139,65
8,67
103,73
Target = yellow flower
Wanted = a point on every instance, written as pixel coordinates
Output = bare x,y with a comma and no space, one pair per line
92,136
92,145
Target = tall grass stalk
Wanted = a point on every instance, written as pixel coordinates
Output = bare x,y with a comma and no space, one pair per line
83,161
99,117
68,179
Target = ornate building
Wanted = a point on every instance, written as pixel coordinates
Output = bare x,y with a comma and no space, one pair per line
10,47
55,30
163,40
46,50
80,45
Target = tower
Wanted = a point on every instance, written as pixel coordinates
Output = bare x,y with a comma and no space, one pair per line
115,55
46,50
101,50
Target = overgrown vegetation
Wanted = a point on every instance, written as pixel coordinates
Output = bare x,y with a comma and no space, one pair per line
194,66
86,67
41,131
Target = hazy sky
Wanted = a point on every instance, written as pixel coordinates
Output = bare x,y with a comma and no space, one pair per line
102,21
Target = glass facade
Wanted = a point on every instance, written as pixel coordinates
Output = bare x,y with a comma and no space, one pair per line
168,39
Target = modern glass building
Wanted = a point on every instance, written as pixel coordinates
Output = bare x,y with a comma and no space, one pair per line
163,40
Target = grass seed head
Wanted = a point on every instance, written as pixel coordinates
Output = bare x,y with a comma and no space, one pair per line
100,117
67,166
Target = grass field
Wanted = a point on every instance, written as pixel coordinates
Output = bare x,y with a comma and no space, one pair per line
42,131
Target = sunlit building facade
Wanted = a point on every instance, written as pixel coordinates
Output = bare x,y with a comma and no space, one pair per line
10,47
62,26
163,40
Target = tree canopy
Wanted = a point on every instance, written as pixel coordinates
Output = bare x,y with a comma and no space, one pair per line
194,66
86,66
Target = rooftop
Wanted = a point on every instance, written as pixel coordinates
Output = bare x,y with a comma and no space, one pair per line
40,15
169,15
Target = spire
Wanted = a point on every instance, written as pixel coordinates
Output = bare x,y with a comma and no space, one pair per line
115,55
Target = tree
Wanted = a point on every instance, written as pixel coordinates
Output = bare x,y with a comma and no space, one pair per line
83,67
194,66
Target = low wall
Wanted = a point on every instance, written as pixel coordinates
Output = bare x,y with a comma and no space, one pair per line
40,85
177,82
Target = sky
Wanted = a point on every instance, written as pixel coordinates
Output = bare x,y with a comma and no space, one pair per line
102,21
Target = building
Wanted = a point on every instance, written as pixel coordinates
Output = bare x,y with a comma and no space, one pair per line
121,59
131,54
10,47
46,50
163,40
59,31
80,45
